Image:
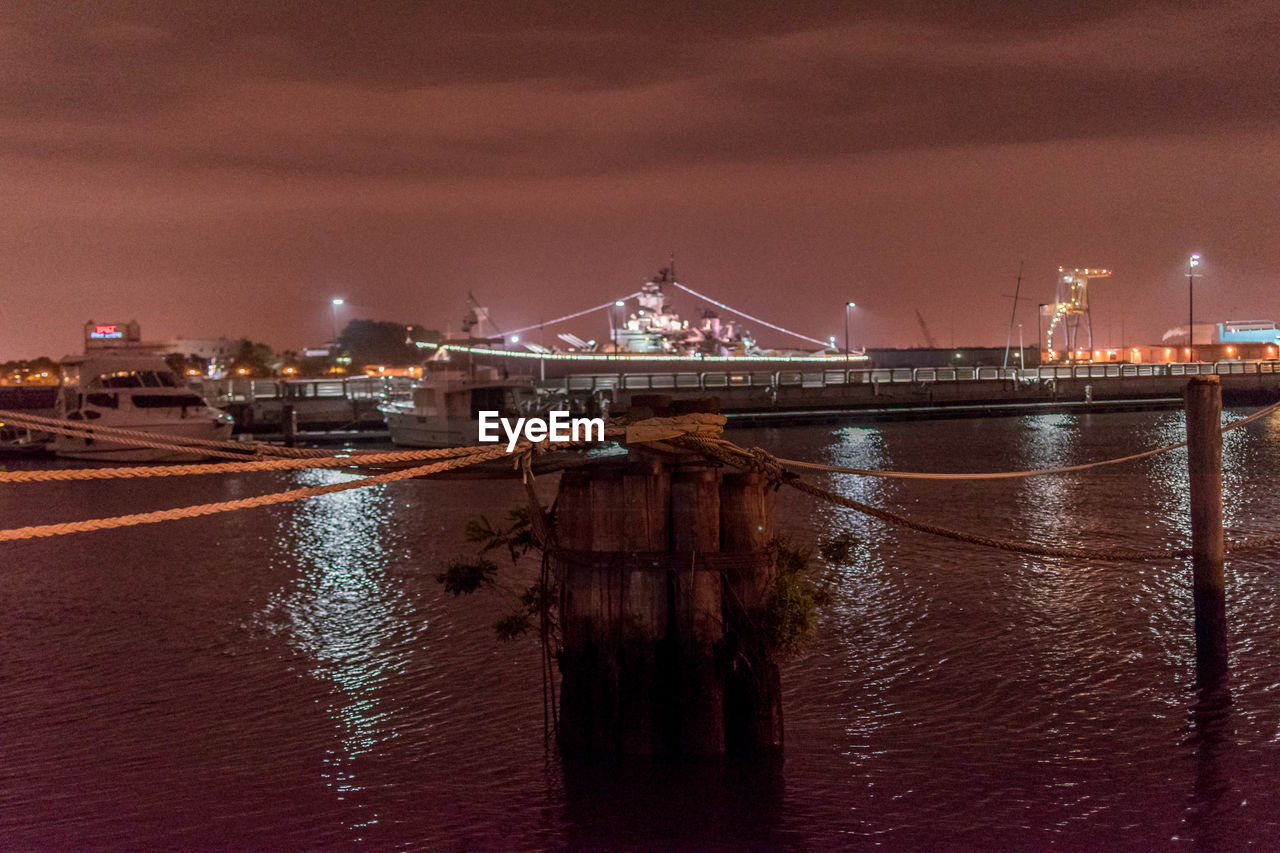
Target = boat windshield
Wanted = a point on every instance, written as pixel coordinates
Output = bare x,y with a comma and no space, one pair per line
160,401
137,379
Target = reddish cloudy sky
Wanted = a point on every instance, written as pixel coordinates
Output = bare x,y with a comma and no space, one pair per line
225,168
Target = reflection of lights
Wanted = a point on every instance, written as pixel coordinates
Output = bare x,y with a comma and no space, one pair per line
342,614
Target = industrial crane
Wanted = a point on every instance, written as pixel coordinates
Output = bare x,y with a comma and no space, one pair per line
928,338
1070,306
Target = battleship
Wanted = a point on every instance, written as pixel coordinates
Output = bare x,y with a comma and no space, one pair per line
646,335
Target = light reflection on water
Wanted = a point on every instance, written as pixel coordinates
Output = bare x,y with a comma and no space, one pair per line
345,619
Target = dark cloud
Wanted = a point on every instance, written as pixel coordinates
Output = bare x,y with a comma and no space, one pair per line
549,89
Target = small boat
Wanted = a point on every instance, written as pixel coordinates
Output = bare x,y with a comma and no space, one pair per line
23,441
444,408
136,392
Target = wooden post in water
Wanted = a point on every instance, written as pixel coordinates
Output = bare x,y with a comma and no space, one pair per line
650,646
753,692
289,424
1208,549
696,596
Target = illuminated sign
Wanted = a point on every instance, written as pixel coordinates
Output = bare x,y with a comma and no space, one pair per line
106,332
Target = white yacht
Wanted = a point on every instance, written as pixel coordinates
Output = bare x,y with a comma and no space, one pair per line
444,408
137,392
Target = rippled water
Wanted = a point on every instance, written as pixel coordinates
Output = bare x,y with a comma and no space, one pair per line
294,676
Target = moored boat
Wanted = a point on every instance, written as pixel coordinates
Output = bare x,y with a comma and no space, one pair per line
135,392
444,408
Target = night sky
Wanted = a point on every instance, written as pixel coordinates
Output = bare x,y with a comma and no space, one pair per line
227,168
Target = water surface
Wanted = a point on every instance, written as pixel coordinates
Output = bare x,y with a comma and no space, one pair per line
294,676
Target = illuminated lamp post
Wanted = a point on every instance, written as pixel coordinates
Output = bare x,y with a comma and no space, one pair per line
335,304
1192,263
847,306
616,323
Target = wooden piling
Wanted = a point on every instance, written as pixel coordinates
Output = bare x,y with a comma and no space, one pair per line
585,715
650,650
753,691
1208,547
289,424
696,595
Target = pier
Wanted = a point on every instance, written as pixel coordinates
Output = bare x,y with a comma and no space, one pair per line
811,395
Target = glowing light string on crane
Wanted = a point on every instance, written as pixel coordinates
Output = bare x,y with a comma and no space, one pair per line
572,316
823,344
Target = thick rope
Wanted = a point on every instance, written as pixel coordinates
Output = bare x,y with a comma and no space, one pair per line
187,470
696,432
46,530
695,423
775,473
1004,475
142,438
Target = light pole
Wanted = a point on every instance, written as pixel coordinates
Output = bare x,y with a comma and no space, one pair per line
1192,263
847,306
335,304
616,324
1039,322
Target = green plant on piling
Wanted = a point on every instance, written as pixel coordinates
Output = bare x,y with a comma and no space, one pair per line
516,538
791,613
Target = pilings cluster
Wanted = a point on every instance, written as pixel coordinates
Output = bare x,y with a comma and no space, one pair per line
666,570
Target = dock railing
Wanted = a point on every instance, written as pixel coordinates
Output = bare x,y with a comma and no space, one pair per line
719,379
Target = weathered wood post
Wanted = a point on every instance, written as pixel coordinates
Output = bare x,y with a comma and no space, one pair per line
653,636
583,720
753,693
1208,550
696,595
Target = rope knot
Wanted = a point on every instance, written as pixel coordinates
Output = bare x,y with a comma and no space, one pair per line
768,465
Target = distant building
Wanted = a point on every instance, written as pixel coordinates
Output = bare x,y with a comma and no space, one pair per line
1248,331
1206,334
109,336
209,349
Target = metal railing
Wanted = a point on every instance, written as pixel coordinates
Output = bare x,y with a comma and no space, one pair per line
294,390
772,380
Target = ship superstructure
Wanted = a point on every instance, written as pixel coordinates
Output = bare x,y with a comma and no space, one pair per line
655,327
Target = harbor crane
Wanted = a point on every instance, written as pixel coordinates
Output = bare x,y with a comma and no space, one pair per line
928,338
1070,307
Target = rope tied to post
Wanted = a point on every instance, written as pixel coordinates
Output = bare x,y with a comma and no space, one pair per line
699,432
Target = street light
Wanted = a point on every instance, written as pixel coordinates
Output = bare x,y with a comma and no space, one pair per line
1039,322
1192,263
847,306
336,303
615,323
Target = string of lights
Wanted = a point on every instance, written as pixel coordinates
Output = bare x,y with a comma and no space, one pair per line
572,316
823,344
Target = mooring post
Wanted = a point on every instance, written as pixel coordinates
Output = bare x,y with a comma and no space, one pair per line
659,624
1208,548
697,603
753,689
289,424
585,715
